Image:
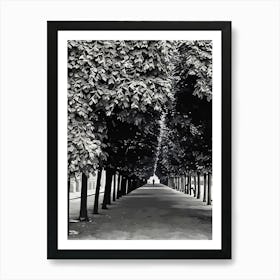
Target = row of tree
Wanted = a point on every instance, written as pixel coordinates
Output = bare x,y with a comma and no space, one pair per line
117,92
116,186
186,148
191,185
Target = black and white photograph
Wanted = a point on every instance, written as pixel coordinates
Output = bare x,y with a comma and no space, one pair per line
138,164
139,139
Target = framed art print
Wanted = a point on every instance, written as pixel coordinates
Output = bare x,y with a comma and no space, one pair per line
139,140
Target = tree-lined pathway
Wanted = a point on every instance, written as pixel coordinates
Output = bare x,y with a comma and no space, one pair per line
149,212
137,108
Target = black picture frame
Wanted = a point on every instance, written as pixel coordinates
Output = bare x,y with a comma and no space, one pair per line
52,88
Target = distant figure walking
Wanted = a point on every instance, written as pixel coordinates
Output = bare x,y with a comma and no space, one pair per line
153,180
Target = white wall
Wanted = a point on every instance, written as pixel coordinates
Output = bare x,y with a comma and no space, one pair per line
255,139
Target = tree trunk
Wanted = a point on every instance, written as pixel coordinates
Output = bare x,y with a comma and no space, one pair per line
129,185
189,185
83,207
114,187
198,185
181,183
204,187
123,186
132,187
97,190
110,191
126,186
119,186
107,190
194,187
209,190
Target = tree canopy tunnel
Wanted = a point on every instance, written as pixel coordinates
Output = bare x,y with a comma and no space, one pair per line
117,91
117,94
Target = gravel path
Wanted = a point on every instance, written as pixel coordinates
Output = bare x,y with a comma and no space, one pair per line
149,212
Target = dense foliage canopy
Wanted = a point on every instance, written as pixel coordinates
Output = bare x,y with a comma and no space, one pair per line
187,141
118,92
